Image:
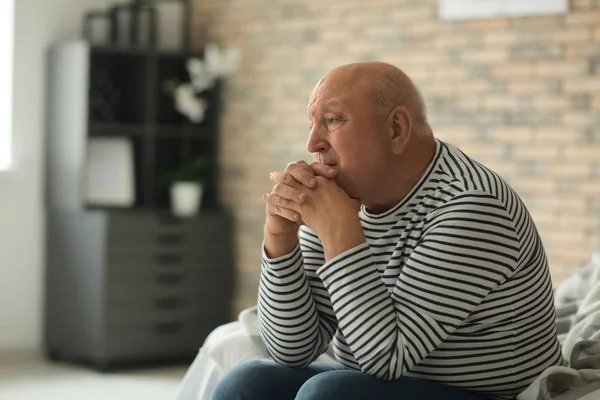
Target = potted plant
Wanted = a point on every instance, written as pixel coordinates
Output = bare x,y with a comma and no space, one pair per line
186,186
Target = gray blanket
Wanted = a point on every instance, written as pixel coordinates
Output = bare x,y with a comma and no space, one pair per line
577,302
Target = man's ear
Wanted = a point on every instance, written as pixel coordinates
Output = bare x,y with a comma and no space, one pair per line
401,124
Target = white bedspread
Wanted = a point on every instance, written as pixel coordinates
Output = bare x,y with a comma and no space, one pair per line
226,347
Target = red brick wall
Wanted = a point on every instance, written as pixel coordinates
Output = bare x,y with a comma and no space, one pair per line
521,95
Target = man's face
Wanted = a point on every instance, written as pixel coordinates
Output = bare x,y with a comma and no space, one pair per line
347,133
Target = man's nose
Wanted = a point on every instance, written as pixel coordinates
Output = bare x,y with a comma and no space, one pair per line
316,142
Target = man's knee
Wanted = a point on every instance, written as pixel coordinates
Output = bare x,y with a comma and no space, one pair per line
325,386
249,380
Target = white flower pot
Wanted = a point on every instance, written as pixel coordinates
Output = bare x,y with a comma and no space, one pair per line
186,198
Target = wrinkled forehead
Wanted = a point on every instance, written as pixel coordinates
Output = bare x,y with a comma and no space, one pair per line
326,96
324,106
342,90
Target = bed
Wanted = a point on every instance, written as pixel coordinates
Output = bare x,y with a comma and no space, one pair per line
577,302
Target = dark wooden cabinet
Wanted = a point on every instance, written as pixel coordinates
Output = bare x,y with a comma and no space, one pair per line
136,284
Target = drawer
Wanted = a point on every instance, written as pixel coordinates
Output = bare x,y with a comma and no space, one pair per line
158,339
149,268
165,309
123,223
172,276
209,259
171,285
166,247
167,244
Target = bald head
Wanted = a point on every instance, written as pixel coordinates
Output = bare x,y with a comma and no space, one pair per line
388,86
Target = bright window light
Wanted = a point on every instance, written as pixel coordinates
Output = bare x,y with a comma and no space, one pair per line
6,82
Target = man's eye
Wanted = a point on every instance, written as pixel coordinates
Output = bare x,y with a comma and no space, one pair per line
331,121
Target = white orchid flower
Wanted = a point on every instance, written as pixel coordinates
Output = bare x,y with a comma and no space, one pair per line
221,62
188,104
200,75
203,75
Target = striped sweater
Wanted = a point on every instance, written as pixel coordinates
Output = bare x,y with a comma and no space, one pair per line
452,285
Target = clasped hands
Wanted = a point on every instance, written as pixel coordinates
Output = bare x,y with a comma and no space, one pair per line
307,195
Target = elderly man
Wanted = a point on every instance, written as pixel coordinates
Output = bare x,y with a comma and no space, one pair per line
422,265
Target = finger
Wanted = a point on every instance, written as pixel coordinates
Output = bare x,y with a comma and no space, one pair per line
289,192
286,213
324,170
277,200
301,172
284,178
300,162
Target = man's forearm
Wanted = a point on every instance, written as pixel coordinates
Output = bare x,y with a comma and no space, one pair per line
293,329
279,245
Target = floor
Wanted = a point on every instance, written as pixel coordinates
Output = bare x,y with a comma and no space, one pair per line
25,376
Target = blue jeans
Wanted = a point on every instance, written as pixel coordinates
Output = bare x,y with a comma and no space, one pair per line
267,380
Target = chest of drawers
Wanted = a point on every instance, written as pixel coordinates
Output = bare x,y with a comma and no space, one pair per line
137,286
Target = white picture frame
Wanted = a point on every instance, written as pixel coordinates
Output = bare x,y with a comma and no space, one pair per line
109,177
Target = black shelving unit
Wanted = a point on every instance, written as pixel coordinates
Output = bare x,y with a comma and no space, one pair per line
130,284
127,100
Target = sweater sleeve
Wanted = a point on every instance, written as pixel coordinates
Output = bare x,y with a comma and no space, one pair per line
468,248
295,315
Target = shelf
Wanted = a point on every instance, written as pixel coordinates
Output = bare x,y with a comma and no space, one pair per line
163,211
97,129
182,131
101,49
145,51
126,101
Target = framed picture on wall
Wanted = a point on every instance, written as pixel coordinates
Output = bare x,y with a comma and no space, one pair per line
478,9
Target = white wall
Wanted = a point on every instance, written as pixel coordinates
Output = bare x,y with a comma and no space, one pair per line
38,23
